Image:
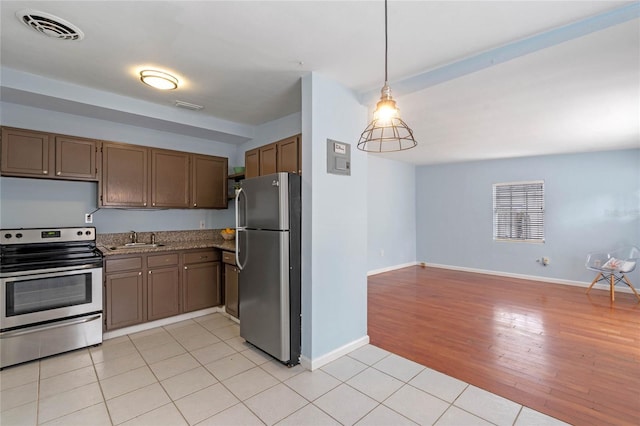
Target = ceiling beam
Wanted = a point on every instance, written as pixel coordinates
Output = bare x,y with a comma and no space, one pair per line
506,53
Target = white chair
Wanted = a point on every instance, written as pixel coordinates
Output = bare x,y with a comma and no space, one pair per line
613,266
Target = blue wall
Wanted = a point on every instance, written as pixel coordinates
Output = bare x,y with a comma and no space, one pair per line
391,207
592,204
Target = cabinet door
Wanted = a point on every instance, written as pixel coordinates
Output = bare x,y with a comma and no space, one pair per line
268,159
25,153
209,182
288,155
75,158
169,178
252,163
200,286
231,289
163,293
124,299
124,175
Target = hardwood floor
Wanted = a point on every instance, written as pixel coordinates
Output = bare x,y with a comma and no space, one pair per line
550,347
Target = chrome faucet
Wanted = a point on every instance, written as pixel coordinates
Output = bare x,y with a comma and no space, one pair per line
133,237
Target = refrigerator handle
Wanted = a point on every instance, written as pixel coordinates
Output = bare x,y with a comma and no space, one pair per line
238,263
238,229
238,208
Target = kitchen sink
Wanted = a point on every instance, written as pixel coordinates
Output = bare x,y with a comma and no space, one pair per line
136,245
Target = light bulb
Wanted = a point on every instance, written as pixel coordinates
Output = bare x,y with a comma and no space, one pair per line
385,110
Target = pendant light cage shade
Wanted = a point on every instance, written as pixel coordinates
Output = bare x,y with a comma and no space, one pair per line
387,132
387,135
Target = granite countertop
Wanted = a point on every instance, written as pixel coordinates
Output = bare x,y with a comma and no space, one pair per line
168,240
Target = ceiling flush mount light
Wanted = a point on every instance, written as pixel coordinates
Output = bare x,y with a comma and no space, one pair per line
387,132
158,79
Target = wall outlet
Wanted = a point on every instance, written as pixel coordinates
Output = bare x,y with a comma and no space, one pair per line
544,261
202,224
88,218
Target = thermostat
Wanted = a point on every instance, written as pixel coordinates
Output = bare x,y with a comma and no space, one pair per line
338,158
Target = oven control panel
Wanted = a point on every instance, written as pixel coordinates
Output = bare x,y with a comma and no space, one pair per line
46,235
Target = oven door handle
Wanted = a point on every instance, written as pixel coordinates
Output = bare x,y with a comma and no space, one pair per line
65,323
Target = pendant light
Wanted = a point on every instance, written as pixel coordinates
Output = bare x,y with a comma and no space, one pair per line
386,132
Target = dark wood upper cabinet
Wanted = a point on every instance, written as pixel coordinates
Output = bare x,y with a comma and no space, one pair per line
281,156
27,153
209,181
129,176
169,178
252,163
76,158
288,155
268,159
125,177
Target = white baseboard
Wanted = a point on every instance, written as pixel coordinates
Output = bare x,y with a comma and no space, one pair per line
390,268
159,323
314,364
600,286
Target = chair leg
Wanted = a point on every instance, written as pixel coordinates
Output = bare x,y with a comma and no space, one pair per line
595,280
624,277
611,285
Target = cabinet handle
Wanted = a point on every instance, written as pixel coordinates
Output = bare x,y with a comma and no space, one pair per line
44,172
185,267
154,204
195,204
149,272
144,204
59,173
139,273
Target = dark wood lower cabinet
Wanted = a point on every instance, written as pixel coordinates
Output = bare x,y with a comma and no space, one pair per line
147,287
163,293
201,286
124,299
231,293
231,290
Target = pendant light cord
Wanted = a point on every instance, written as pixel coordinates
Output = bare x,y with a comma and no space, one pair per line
386,44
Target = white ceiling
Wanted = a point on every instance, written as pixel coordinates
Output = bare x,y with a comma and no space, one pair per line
243,60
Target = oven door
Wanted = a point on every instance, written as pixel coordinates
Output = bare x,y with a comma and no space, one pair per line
47,295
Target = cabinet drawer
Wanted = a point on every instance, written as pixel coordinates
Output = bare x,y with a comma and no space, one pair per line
202,256
162,260
125,264
229,257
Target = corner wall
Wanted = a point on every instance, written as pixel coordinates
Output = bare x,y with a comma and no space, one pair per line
391,208
334,246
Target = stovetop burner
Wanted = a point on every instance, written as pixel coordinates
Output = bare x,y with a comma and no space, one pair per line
45,248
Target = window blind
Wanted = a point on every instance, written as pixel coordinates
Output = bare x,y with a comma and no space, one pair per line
518,211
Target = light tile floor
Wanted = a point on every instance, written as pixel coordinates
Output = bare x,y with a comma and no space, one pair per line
201,372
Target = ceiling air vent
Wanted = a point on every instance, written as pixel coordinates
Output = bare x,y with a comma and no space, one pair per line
49,25
187,105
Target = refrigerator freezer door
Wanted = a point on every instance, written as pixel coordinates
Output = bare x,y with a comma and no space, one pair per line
263,203
264,290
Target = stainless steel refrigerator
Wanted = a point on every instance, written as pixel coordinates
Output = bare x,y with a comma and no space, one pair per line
268,211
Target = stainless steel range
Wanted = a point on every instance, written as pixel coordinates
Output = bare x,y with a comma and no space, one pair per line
50,292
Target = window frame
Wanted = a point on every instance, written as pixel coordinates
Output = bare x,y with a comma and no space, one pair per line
525,191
